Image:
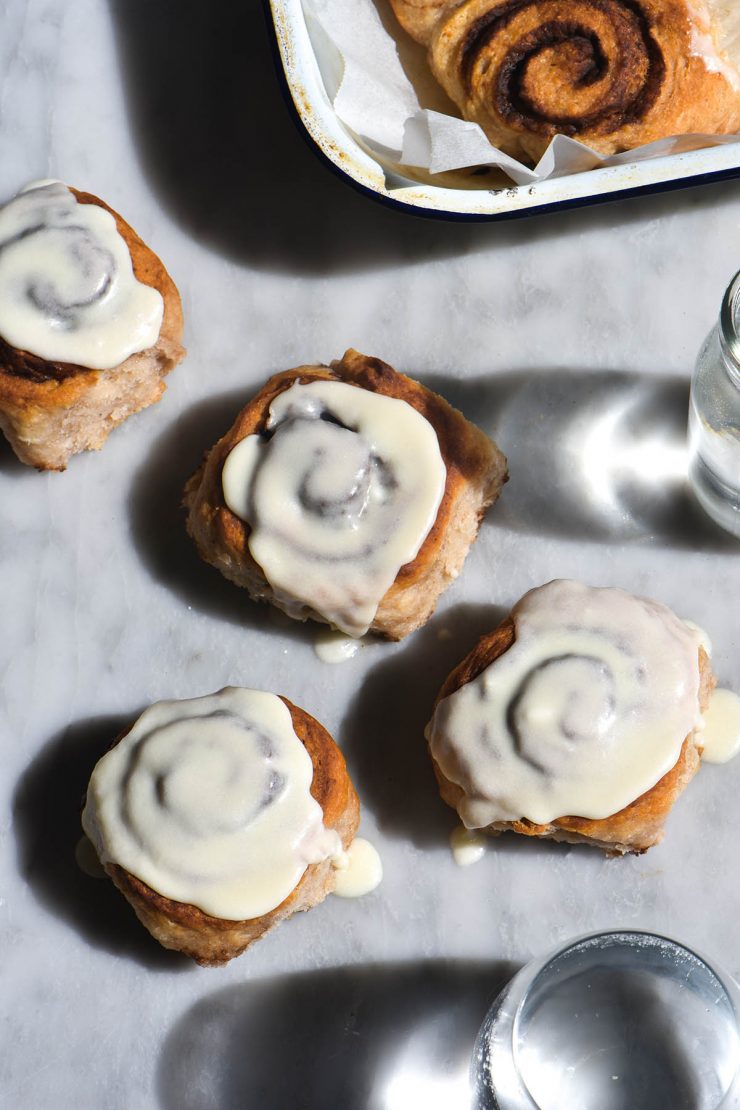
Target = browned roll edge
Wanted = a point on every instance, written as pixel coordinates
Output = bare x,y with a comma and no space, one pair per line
418,17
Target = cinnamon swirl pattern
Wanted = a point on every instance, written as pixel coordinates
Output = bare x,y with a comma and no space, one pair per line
613,73
586,710
208,802
68,292
340,492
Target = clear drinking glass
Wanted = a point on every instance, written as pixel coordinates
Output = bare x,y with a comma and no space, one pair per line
612,1021
714,417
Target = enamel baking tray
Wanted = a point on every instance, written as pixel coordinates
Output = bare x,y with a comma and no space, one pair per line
327,135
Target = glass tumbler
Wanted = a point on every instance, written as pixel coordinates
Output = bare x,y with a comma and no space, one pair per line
612,1021
714,417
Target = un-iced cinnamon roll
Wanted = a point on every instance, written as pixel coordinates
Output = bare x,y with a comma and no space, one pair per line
90,323
347,494
220,816
578,719
614,74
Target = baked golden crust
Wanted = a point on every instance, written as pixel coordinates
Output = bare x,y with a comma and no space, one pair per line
212,941
476,471
419,17
52,410
614,74
633,829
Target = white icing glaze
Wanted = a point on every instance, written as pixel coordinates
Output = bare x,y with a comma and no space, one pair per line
360,871
586,710
468,846
67,287
721,732
715,37
208,802
335,647
340,496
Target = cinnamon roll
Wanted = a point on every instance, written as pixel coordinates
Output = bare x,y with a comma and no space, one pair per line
348,494
90,323
218,817
614,74
578,719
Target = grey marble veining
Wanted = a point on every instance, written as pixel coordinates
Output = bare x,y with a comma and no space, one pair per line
565,336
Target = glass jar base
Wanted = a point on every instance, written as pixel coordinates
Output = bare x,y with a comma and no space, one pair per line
720,501
612,1021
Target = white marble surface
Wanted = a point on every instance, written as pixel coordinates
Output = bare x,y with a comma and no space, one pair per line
565,336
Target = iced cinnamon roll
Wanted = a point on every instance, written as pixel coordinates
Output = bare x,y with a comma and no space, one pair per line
578,719
218,817
347,494
90,323
614,74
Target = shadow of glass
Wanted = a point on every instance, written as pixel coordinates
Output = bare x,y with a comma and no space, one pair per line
383,730
224,156
390,1036
598,455
46,821
158,520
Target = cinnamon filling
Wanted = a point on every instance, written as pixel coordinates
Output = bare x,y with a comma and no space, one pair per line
22,364
633,80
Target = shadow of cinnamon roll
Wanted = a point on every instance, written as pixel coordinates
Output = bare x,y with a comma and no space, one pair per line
47,804
600,455
385,751
157,519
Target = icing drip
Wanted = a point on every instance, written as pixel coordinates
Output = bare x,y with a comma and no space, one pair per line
468,847
586,710
360,871
335,647
720,733
715,38
67,287
208,802
341,492
87,860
